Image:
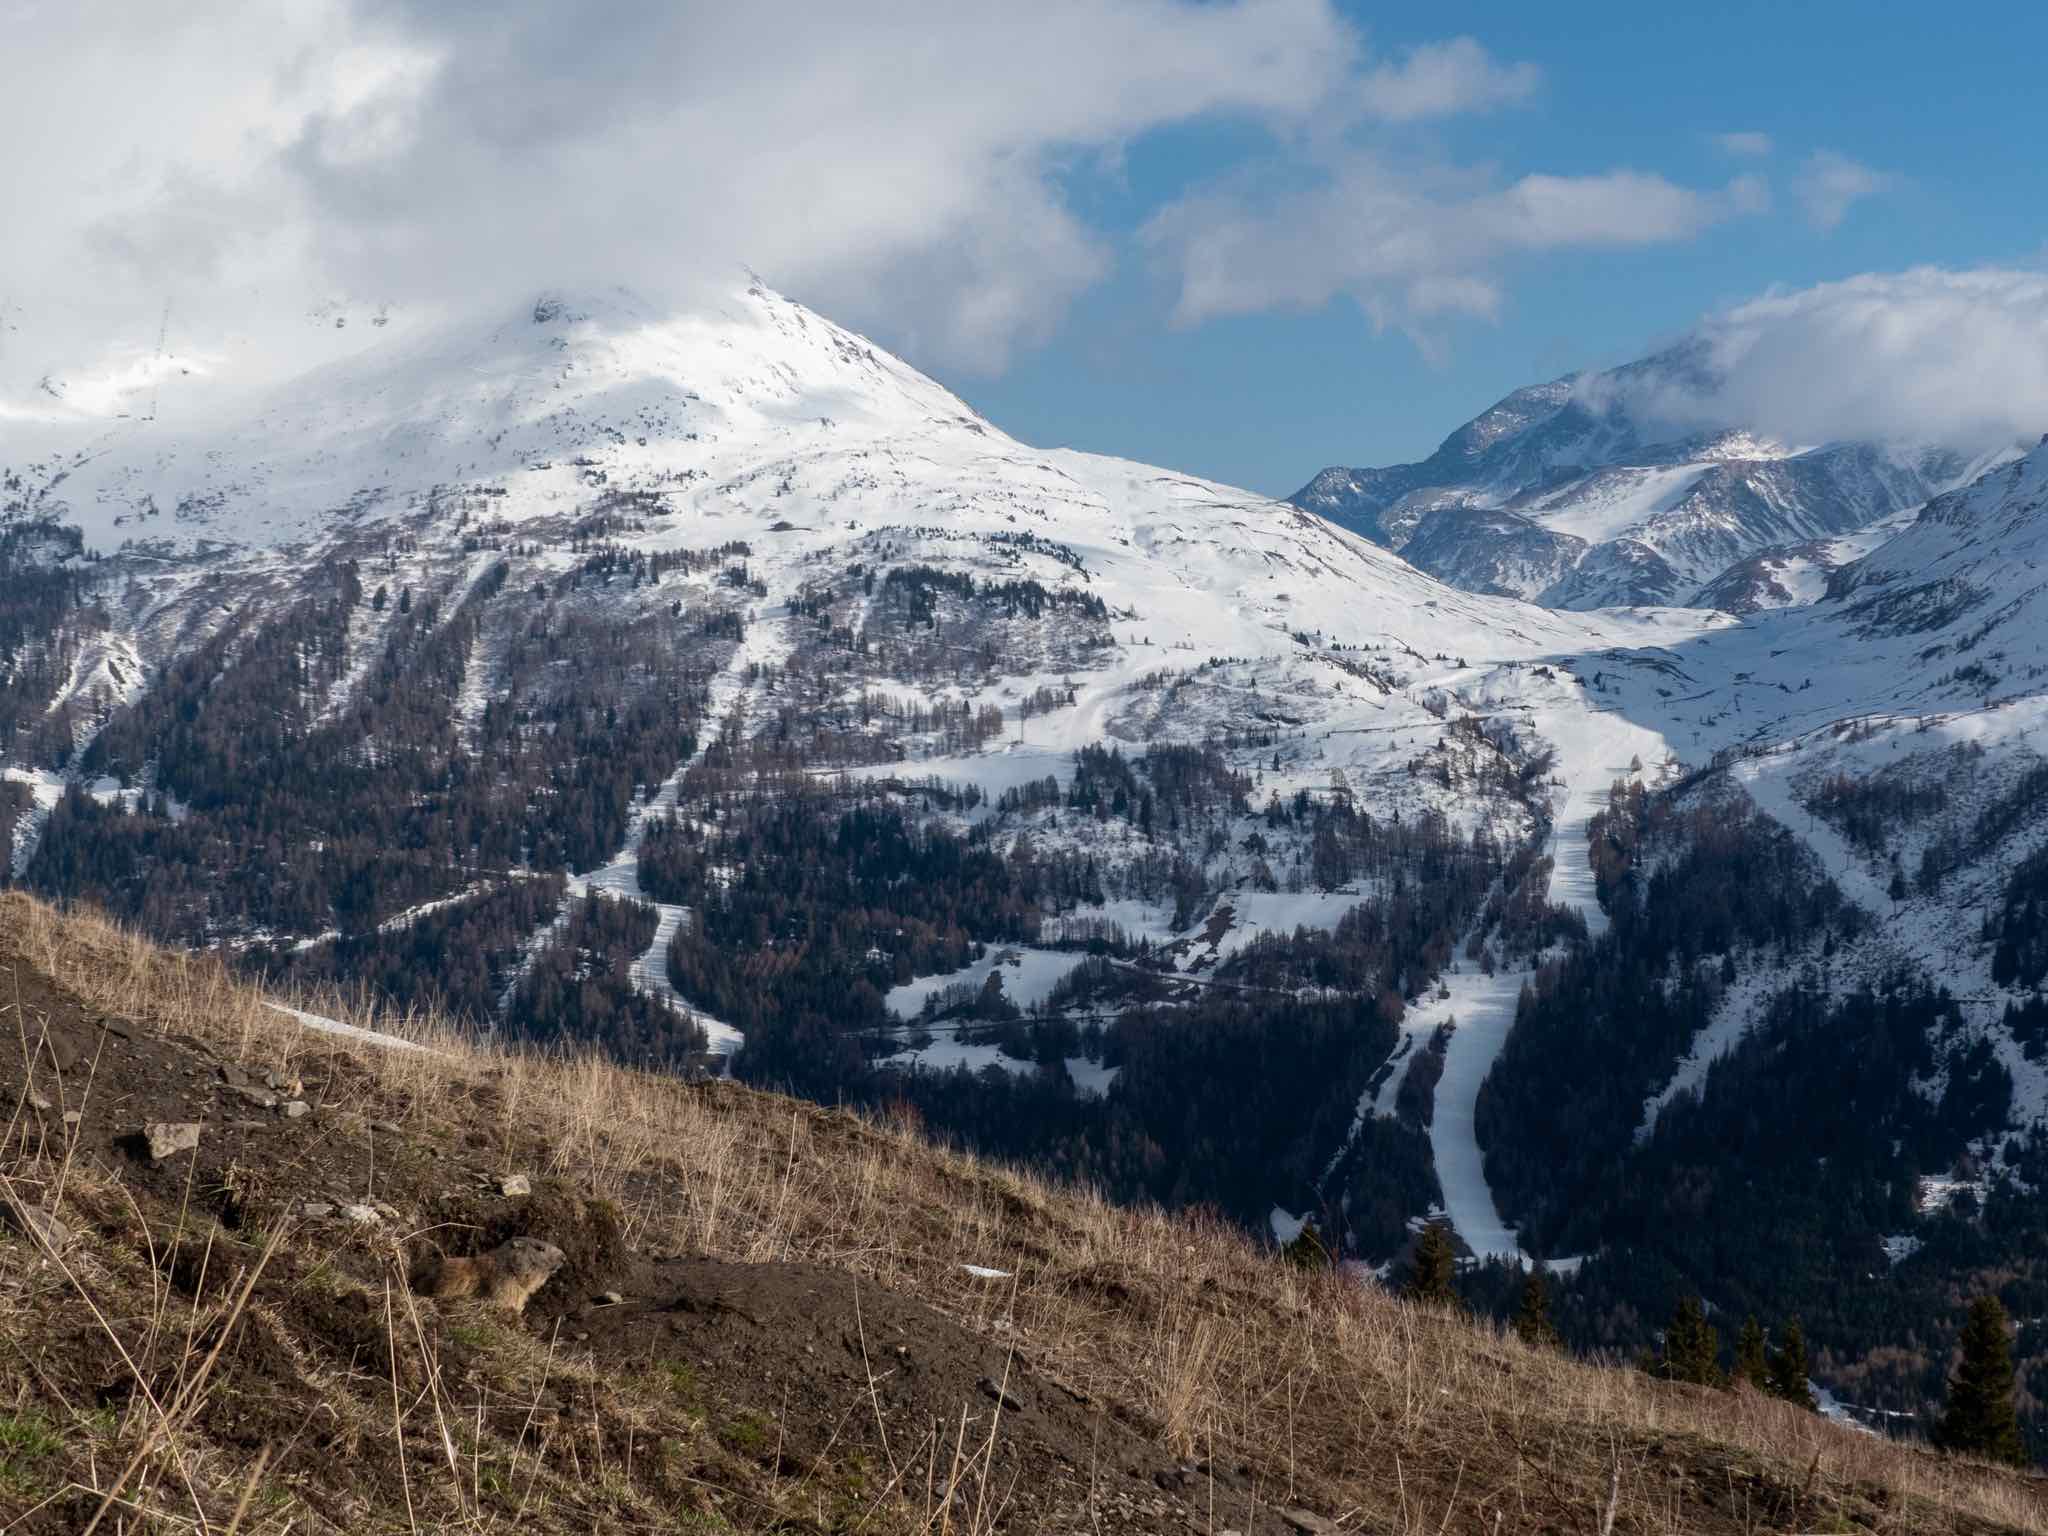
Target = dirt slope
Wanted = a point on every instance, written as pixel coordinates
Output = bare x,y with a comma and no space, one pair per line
768,1320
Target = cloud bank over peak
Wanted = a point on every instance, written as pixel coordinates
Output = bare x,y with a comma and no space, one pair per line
933,171
1924,356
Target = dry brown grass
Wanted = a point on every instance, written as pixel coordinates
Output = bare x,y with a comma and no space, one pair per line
1398,1418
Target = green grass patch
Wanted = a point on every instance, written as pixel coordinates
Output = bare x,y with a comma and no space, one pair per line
26,1440
746,1433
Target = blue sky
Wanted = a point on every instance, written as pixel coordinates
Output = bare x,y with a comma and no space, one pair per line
1949,103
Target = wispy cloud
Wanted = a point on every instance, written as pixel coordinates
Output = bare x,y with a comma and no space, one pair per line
1443,80
1412,246
1830,184
1749,144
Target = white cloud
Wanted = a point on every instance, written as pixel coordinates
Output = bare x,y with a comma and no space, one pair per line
1443,79
1750,144
903,166
1829,185
921,170
1925,356
1410,246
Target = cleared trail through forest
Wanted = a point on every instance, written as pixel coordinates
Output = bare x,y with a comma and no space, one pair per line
620,877
1594,748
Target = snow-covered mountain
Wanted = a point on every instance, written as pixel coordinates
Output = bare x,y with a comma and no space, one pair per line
578,565
1574,495
773,507
758,421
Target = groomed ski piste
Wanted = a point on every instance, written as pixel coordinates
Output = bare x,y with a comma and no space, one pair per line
620,879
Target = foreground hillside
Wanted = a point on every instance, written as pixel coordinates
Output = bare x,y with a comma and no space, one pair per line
773,1317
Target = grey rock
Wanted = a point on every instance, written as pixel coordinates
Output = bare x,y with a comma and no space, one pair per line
1308,1522
362,1215
38,1225
167,1138
515,1184
296,1109
991,1390
313,1210
260,1097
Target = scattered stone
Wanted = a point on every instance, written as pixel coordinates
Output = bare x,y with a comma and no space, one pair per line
515,1184
167,1138
361,1215
609,1298
118,1028
40,1104
313,1210
72,1117
1308,1522
996,1394
259,1097
384,1127
39,1225
296,1109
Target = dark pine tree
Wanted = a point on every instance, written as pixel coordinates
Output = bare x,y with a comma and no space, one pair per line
1436,1266
1790,1369
1532,1313
1751,1365
1692,1349
1979,1419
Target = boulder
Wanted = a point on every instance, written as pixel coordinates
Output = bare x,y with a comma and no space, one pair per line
39,1226
167,1138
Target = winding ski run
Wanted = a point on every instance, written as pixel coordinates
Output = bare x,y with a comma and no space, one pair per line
620,880
1594,748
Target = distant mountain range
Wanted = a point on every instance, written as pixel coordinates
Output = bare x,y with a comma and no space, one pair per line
1573,495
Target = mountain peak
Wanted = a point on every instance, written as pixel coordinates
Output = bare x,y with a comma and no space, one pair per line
1609,491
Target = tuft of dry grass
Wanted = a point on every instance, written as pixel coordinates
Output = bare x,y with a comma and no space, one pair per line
1396,1417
